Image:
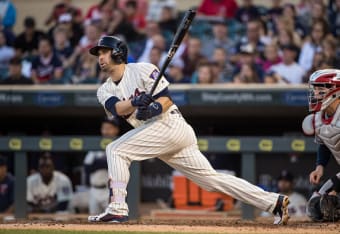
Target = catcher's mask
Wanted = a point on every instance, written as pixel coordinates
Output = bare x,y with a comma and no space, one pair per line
324,89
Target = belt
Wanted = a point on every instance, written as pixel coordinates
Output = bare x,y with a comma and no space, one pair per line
175,111
99,186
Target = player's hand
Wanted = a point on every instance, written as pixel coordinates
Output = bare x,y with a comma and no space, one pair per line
147,112
141,100
315,176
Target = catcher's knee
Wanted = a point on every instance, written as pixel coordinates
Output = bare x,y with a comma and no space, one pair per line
324,208
313,209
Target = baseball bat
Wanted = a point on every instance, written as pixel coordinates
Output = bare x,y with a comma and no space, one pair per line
181,31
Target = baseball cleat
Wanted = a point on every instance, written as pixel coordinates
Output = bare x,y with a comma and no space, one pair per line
107,217
281,210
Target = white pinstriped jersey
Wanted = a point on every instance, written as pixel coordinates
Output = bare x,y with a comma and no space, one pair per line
137,78
329,133
168,137
58,190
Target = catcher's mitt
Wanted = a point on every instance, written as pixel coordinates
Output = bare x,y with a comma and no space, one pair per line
330,207
313,209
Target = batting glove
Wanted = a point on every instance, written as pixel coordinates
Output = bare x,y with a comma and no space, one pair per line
147,112
142,100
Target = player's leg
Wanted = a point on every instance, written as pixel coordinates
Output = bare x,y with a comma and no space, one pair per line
148,141
191,163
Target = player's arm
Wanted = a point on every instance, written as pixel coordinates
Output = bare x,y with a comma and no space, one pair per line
161,104
117,107
322,159
121,108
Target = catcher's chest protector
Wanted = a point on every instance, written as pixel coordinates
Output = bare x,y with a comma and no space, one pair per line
329,133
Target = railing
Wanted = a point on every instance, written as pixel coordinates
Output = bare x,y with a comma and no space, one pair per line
247,147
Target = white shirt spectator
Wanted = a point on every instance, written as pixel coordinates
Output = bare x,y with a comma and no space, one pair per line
156,6
6,53
307,54
292,73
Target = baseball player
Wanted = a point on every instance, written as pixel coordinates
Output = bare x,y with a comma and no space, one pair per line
159,131
324,123
49,190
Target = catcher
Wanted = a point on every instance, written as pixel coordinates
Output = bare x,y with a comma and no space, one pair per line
324,123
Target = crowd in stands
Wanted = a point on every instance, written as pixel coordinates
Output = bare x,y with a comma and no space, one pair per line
229,41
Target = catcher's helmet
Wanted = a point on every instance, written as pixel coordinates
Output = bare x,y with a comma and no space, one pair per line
324,86
118,47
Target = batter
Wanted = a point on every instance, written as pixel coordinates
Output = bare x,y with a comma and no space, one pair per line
159,131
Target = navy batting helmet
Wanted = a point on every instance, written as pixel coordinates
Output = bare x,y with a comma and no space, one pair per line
118,47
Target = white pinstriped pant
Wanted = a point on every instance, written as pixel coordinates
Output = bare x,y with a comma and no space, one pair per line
173,141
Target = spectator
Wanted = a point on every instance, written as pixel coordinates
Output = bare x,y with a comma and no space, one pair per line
62,47
156,6
120,25
134,17
192,57
14,73
6,188
152,29
222,8
248,56
48,191
246,75
101,10
168,20
64,6
288,70
156,57
26,44
219,39
297,205
6,53
73,30
289,12
222,67
319,12
248,11
334,16
286,33
318,59
205,73
86,70
95,164
329,46
157,41
314,44
273,13
303,10
8,14
175,74
142,6
271,57
253,38
91,36
46,67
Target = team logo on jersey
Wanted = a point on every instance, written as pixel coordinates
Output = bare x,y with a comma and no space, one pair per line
154,74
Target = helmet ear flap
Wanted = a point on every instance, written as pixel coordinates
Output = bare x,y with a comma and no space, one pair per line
117,53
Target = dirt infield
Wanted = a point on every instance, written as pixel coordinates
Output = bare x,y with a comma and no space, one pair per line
227,225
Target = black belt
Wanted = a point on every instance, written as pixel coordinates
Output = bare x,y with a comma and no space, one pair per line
175,111
99,186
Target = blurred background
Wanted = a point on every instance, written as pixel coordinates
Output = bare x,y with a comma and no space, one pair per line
240,73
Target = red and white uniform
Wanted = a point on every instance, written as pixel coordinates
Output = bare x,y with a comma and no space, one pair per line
327,132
